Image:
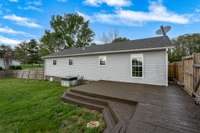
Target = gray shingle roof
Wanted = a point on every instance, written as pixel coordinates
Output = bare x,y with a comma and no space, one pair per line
134,45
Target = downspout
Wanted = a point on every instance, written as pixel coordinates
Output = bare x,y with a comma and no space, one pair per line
166,58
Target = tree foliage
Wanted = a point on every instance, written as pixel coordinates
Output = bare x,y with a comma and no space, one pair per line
50,43
6,53
110,36
70,30
184,45
4,49
28,52
120,39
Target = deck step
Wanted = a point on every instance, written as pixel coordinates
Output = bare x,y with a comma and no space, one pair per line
96,101
103,97
108,116
114,106
116,119
82,103
87,98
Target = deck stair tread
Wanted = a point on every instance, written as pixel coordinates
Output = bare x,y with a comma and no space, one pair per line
88,105
87,98
104,97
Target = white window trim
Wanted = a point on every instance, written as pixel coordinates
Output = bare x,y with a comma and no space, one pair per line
136,56
100,59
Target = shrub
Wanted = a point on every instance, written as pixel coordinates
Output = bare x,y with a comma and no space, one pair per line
1,68
15,67
18,68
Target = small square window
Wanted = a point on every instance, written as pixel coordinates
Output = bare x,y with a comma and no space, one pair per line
70,62
102,60
54,62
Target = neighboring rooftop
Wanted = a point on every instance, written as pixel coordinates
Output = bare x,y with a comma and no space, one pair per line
153,43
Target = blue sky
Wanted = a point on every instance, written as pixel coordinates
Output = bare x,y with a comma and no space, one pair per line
22,20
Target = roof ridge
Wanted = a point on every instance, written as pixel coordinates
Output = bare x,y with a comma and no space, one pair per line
160,42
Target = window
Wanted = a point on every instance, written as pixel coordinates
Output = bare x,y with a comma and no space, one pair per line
70,62
102,60
137,65
54,62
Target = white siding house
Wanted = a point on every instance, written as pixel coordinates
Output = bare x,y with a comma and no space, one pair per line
13,63
146,66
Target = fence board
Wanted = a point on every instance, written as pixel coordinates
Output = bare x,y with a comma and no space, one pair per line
188,74
176,72
197,73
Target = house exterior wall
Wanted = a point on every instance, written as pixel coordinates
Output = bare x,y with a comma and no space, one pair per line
117,68
14,63
1,63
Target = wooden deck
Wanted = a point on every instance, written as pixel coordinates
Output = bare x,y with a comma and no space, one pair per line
159,109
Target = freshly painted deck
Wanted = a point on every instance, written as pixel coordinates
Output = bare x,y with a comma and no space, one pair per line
158,110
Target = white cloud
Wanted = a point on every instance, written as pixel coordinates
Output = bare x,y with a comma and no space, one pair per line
35,3
86,17
30,7
157,13
195,16
117,3
99,42
13,1
8,41
8,30
23,21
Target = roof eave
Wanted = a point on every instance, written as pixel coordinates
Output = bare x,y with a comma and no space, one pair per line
109,52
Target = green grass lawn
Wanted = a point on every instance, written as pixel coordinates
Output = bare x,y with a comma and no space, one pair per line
31,106
31,66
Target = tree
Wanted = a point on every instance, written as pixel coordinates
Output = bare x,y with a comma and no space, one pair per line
109,37
51,42
6,53
184,45
70,30
33,52
28,52
120,39
21,52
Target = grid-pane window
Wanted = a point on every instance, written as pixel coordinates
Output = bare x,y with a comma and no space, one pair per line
54,62
70,62
102,60
137,65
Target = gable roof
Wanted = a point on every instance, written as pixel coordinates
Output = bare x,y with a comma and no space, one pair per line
154,43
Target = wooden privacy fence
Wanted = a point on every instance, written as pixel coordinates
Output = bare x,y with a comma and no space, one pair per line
187,73
4,74
29,74
25,74
176,72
